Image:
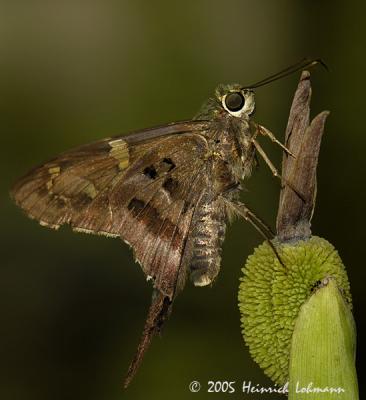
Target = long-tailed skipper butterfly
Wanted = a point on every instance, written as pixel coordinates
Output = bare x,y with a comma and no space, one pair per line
167,192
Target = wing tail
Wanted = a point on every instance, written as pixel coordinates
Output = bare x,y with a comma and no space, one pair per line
158,312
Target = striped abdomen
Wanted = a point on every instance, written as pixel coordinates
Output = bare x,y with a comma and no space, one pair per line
207,237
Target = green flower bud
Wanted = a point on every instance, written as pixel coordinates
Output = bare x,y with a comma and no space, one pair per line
271,295
323,348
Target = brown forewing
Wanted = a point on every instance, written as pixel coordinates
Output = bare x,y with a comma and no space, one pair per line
142,188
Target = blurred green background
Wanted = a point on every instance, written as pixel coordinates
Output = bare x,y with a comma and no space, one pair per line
73,306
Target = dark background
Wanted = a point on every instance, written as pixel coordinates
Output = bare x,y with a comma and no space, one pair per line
72,306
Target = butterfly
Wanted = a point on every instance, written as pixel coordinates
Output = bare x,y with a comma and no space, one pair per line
167,192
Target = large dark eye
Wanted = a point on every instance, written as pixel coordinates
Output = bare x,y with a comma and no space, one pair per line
234,101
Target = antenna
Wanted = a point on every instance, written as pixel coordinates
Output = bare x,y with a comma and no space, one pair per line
302,64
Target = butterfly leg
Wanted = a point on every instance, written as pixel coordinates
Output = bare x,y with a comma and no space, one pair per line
273,169
266,132
243,210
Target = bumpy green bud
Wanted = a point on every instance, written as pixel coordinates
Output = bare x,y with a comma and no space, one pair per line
271,295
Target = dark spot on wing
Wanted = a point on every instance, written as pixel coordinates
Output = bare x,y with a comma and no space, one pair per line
187,206
150,172
60,202
148,215
169,163
170,185
136,206
80,201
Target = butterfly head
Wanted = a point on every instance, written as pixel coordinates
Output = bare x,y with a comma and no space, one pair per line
232,101
237,101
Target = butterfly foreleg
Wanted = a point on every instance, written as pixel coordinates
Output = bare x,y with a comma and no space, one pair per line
266,132
274,170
